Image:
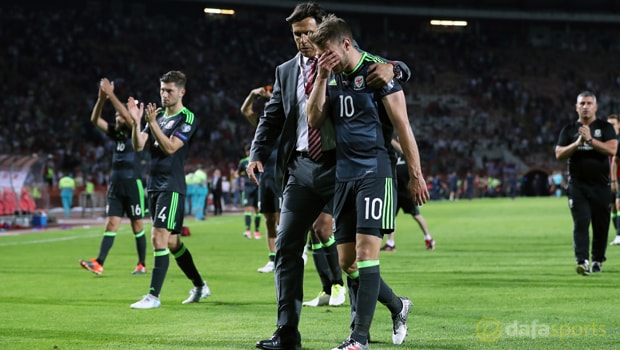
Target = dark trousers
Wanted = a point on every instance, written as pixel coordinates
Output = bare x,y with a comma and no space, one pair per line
589,204
309,188
217,203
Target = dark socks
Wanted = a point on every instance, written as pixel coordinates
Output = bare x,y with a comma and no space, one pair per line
106,245
186,263
367,294
141,246
353,286
388,298
257,217
331,255
160,268
248,220
322,267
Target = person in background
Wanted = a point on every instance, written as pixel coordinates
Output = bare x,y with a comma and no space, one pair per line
250,199
558,181
89,191
191,193
125,194
201,191
405,202
468,185
66,184
48,172
453,186
226,188
269,193
586,144
235,189
614,120
216,189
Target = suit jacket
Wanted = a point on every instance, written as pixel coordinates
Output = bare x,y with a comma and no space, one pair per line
216,186
280,119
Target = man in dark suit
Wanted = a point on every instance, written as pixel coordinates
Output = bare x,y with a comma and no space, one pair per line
216,189
308,181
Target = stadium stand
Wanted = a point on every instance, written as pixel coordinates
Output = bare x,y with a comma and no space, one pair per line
505,86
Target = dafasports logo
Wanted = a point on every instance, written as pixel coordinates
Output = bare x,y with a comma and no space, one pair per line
490,330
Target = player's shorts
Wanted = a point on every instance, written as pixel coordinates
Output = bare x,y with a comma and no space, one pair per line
269,196
250,197
167,210
404,201
364,206
125,197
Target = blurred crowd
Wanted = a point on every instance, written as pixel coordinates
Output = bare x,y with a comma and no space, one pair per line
489,88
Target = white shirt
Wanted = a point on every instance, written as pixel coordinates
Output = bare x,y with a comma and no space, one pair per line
328,140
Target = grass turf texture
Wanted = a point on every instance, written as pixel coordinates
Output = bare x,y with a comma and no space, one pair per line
502,277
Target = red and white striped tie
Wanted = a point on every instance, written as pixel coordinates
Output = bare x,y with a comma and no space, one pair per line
314,135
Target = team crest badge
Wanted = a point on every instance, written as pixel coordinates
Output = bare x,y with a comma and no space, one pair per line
186,128
359,83
597,133
169,124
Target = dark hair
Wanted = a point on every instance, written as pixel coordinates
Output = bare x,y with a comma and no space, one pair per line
613,116
333,29
176,77
305,10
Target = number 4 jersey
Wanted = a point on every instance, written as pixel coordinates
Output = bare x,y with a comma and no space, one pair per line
167,171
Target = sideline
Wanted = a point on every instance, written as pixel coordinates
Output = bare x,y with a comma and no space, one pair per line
59,224
51,240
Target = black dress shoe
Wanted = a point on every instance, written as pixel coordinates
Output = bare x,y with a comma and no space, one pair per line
284,338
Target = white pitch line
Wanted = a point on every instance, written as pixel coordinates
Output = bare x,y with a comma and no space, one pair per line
49,240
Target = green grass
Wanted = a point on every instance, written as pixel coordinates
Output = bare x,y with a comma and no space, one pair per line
502,277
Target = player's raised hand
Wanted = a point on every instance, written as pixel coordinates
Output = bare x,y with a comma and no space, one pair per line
107,86
151,112
136,110
327,61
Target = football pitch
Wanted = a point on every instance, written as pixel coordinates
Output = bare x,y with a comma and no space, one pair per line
502,277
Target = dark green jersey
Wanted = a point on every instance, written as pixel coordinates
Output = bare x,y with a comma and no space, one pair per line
248,184
363,129
167,171
125,160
